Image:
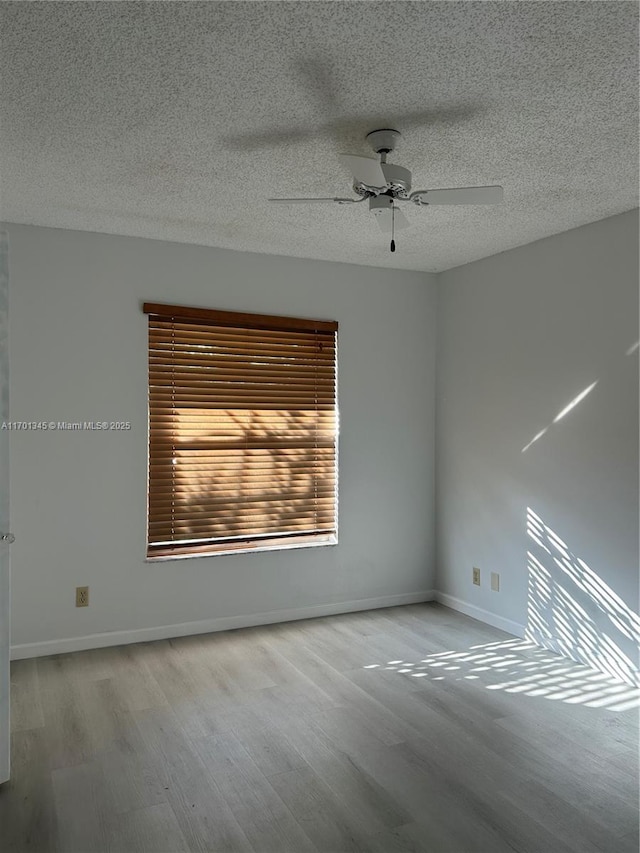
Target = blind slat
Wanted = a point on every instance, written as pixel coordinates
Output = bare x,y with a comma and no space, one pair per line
234,515
225,528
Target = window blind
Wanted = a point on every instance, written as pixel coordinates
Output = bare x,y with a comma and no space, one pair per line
242,431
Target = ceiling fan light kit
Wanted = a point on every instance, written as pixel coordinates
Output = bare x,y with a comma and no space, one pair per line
385,183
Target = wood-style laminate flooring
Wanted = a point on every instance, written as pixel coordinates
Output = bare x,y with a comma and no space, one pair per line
407,729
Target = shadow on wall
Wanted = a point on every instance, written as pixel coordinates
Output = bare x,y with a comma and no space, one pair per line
572,611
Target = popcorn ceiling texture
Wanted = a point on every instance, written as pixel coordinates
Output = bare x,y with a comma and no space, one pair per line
177,121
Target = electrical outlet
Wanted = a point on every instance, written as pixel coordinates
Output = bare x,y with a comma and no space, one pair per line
476,576
82,596
495,582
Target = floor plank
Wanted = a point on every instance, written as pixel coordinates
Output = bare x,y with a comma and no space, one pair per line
28,820
148,830
265,819
26,705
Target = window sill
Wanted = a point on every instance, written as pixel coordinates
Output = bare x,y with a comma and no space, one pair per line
257,548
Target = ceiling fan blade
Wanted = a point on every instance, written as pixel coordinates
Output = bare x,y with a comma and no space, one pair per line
384,220
461,195
365,169
315,200
401,220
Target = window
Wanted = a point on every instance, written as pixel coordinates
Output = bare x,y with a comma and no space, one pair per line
242,431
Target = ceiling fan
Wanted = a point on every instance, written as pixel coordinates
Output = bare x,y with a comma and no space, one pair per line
385,183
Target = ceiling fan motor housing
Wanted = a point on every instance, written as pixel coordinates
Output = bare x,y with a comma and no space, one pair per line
397,182
381,205
398,179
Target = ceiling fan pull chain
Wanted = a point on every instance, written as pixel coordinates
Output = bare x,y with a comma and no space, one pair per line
393,223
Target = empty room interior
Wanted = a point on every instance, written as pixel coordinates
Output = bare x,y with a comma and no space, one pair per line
319,448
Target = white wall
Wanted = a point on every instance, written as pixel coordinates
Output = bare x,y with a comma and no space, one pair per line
78,352
521,334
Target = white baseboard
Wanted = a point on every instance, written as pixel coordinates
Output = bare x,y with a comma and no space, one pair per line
480,614
207,626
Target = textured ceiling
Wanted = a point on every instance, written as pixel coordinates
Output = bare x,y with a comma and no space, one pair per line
177,121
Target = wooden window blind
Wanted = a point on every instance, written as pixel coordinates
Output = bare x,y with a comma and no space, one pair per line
242,431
